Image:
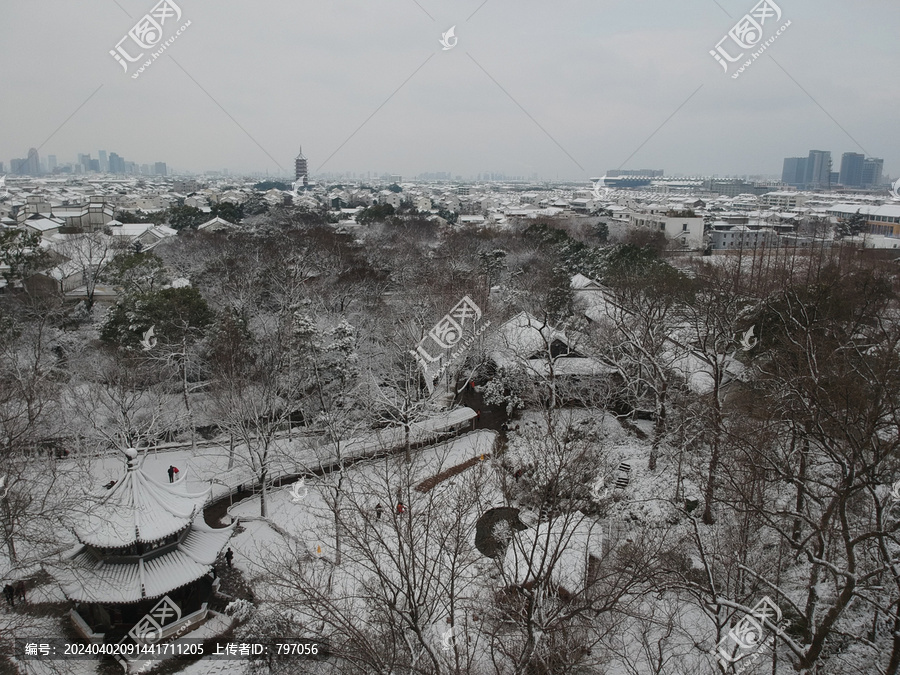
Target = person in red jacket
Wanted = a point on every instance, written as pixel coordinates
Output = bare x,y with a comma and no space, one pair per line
400,508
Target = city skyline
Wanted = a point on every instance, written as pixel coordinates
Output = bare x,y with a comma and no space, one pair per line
610,86
819,170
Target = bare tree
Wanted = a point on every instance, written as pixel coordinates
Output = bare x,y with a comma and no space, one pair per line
412,573
643,311
256,393
90,253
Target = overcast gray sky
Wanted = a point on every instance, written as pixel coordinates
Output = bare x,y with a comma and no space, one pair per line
567,89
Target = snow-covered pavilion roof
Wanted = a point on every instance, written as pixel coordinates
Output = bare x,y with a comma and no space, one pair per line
138,509
520,337
87,578
567,544
216,223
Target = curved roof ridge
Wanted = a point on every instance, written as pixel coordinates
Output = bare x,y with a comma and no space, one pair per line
163,500
139,508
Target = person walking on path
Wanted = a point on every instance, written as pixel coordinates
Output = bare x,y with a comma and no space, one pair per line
229,555
400,508
8,593
19,590
173,471
379,509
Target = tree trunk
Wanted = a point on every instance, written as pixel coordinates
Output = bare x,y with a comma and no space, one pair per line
801,488
406,444
708,518
337,519
263,507
184,394
10,543
715,457
659,428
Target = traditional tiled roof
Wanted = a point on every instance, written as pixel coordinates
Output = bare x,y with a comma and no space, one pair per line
138,509
85,577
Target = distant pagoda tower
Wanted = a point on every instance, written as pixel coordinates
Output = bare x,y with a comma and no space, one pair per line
143,570
301,171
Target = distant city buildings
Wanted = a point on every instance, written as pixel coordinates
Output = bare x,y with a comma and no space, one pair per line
116,163
814,171
648,173
851,173
794,171
33,165
723,216
735,187
872,169
818,169
30,166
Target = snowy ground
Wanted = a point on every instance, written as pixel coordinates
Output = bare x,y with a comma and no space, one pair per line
305,512
81,476
300,518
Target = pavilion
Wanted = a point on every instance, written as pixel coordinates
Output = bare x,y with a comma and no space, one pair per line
143,569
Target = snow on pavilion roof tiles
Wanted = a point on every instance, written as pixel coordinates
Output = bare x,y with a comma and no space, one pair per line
139,509
87,578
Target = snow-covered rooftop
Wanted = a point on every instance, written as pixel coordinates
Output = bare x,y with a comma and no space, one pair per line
87,578
139,509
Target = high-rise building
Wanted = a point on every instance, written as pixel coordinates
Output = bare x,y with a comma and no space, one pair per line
32,163
301,171
818,169
85,161
1,167
51,163
851,169
116,163
159,169
95,165
871,175
104,162
17,166
794,171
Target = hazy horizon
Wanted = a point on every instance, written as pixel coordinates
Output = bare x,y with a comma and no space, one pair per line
564,92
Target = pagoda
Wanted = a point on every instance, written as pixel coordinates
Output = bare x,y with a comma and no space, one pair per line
143,569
